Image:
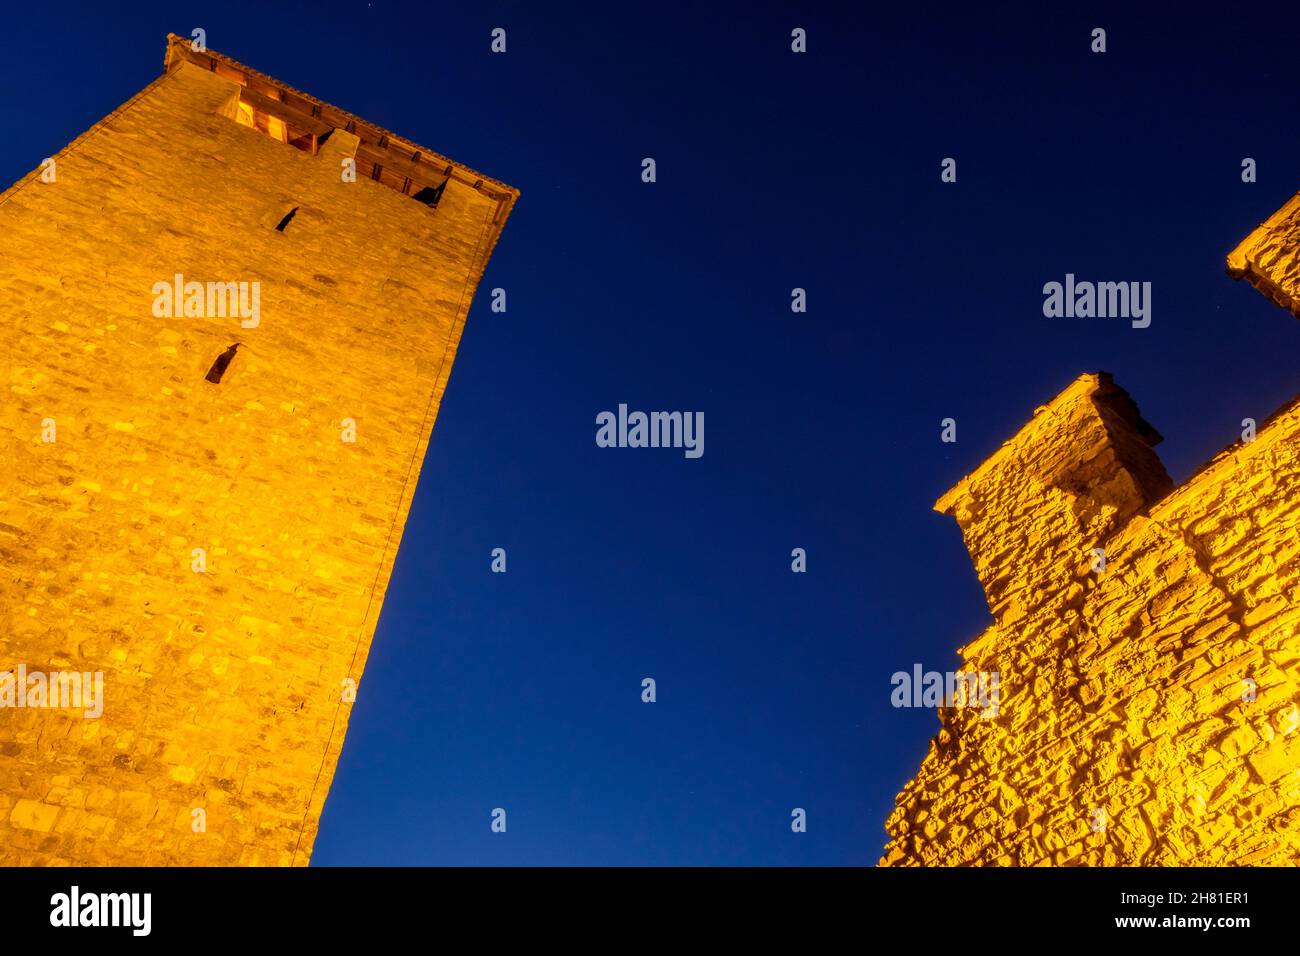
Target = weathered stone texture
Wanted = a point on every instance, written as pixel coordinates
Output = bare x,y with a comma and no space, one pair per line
1148,712
224,689
1267,258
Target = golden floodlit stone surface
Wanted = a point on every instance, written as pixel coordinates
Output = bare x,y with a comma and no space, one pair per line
1268,259
218,550
1146,640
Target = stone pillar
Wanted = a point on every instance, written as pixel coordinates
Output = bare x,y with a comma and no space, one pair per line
1033,511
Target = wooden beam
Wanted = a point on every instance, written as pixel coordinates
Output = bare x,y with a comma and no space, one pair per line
280,111
391,160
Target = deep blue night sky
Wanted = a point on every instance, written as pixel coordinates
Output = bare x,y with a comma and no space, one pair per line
775,170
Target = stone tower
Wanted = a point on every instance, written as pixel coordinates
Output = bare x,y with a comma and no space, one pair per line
231,312
1146,640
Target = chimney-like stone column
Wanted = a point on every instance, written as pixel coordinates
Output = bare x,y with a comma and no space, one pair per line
1033,512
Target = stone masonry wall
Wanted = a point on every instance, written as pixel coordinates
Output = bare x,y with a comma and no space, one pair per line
223,690
1268,259
1148,711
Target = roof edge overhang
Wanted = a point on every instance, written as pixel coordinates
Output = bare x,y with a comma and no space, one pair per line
380,145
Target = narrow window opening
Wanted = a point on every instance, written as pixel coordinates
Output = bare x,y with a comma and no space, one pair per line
432,195
221,364
287,219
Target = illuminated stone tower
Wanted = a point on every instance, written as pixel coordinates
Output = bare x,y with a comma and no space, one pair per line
211,529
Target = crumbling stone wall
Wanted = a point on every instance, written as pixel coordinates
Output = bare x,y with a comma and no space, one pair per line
1148,711
1146,641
